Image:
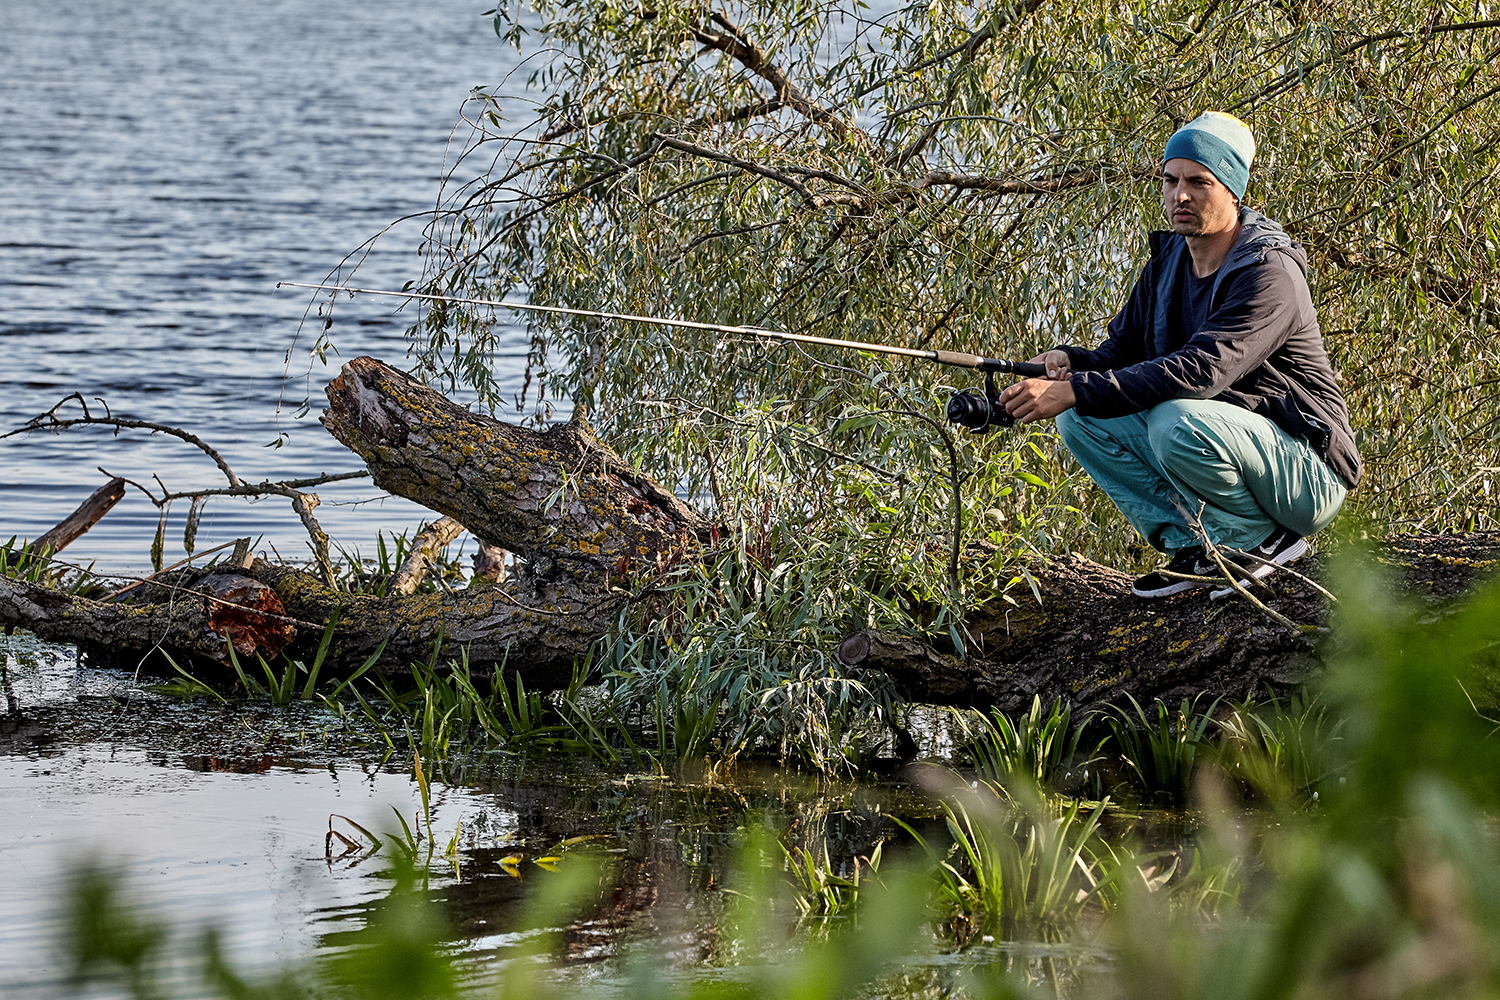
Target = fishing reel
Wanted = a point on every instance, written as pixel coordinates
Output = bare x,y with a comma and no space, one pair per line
979,412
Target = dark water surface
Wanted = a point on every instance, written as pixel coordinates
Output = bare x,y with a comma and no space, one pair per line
163,164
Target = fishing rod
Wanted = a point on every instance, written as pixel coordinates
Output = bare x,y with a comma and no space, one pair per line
967,408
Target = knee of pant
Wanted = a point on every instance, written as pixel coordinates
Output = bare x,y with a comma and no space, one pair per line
1176,438
1079,433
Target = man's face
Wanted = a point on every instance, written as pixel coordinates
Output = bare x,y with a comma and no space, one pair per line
1196,202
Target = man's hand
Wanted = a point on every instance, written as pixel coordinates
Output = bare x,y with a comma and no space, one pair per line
1058,365
1037,398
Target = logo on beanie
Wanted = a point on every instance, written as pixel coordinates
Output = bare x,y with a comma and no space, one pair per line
1223,164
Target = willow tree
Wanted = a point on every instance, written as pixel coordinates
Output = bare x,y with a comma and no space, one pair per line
966,175
973,176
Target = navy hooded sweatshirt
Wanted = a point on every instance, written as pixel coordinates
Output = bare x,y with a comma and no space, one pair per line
1259,347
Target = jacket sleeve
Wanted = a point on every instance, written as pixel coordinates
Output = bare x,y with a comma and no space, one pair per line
1259,311
1127,332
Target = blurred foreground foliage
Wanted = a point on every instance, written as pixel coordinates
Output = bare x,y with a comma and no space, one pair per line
1344,848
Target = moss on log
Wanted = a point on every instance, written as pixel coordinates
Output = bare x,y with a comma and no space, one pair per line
559,499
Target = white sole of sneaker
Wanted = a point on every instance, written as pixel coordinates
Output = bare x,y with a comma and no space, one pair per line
1295,551
1178,587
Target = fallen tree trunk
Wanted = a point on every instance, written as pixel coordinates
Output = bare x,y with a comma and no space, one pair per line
192,616
1090,642
587,530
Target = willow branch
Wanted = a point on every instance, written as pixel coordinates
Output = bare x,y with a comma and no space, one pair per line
733,42
863,200
756,110
1293,77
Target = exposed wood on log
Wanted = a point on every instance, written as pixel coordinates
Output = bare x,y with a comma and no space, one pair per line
426,546
561,500
247,613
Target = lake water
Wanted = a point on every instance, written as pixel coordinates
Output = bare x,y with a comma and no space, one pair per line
163,164
218,814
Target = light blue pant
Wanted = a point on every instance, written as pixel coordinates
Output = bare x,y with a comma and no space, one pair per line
1247,474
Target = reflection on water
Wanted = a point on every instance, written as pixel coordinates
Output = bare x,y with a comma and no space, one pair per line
220,812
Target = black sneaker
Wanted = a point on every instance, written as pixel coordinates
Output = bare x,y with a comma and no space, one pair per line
1192,560
1281,548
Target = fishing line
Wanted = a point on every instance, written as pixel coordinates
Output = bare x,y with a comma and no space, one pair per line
957,359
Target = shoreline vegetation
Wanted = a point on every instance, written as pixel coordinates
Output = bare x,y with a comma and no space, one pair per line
736,552
1333,840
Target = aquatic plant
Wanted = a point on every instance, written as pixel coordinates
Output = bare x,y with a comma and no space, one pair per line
18,561
1020,864
447,712
1282,750
822,892
296,679
1039,748
1161,749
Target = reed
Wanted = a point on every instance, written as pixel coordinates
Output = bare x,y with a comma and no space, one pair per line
1040,748
1161,748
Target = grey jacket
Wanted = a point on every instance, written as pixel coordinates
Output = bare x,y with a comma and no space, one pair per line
1260,348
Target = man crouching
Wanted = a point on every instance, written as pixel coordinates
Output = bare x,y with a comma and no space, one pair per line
1211,401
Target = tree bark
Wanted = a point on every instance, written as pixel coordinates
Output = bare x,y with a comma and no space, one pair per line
1090,642
489,565
560,500
587,529
270,609
426,546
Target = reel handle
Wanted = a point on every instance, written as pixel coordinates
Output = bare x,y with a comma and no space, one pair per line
958,359
1025,369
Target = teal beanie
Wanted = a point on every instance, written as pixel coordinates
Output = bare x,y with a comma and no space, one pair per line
1220,142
